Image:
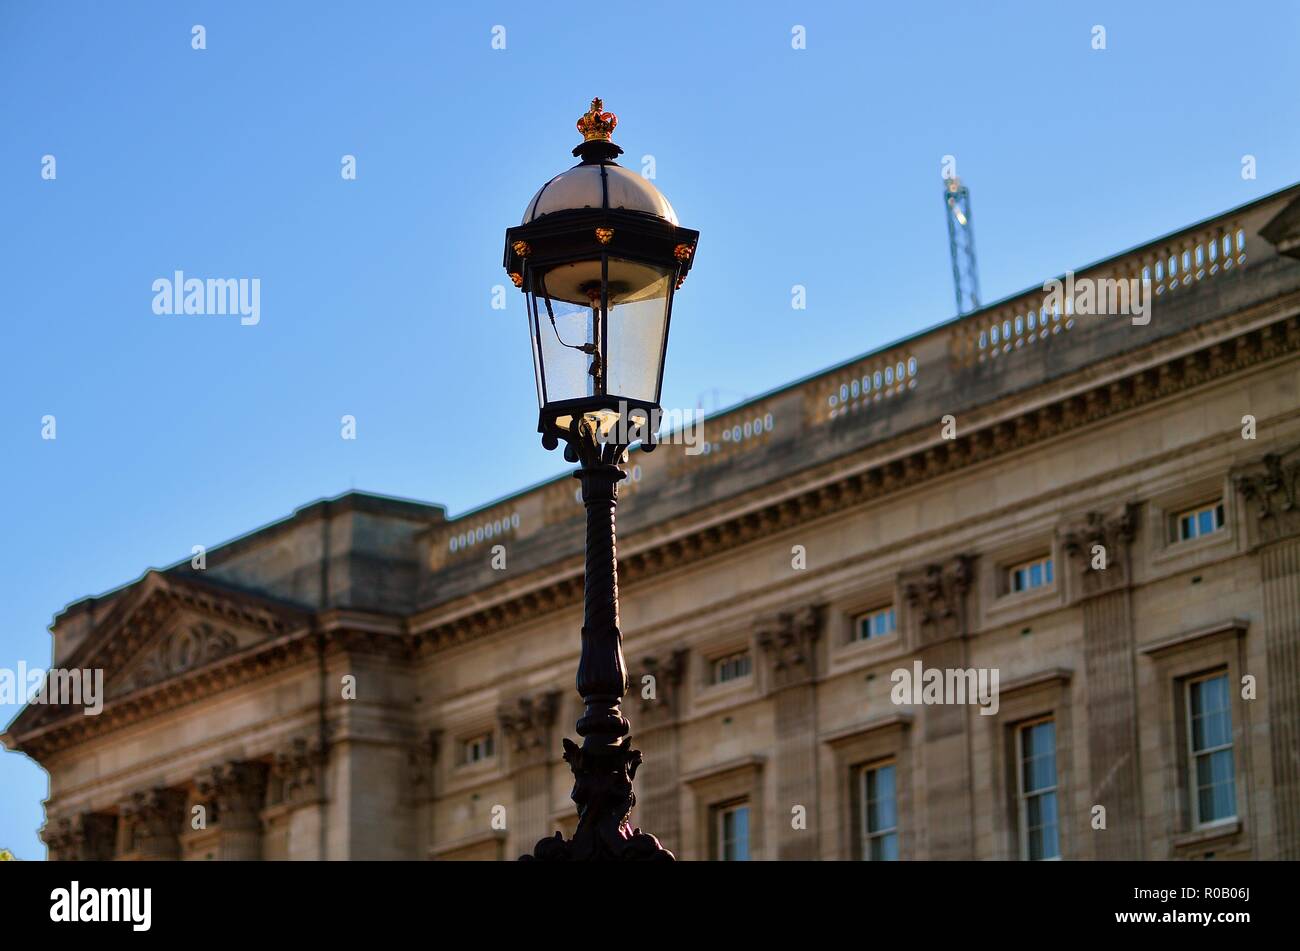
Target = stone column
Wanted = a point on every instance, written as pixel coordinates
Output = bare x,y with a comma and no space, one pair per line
422,784
1271,490
788,641
1099,547
526,725
234,794
937,596
85,837
153,819
659,799
298,772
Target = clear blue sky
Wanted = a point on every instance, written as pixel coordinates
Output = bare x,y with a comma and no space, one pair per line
817,167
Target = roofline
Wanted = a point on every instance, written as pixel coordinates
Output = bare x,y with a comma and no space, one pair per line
373,502
917,335
1001,302
416,509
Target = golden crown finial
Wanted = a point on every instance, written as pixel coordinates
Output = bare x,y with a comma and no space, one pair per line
597,124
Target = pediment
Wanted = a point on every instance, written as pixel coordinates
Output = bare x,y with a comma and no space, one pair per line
164,628
186,641
167,638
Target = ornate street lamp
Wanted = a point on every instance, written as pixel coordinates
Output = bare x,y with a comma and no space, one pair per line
598,256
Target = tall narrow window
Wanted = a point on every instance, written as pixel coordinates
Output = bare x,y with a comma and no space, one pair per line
1036,754
1209,731
879,814
732,832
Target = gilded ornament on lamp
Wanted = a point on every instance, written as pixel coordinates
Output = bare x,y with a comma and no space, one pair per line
522,249
604,235
683,252
597,124
516,279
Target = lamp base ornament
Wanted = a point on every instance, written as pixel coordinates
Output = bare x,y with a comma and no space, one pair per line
602,789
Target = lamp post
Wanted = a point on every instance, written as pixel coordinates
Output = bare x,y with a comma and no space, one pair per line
598,256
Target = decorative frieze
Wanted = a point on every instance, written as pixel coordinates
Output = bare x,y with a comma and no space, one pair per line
1035,425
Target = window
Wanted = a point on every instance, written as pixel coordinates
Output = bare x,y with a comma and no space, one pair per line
1036,756
1030,575
876,623
1194,523
476,749
1209,732
732,832
732,667
879,814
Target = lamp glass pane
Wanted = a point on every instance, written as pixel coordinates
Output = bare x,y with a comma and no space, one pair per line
638,317
564,321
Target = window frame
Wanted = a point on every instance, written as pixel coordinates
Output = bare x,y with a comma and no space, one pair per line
869,615
467,743
1022,797
720,813
1046,560
717,663
1217,506
865,833
1193,788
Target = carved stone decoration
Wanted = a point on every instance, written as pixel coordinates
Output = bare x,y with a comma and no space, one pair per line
85,837
153,819
937,594
1115,535
668,670
789,641
422,758
1271,490
234,792
299,771
526,723
179,651
602,790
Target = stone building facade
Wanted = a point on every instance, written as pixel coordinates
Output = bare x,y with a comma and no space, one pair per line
1104,513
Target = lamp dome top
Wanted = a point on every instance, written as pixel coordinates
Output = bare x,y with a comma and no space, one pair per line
599,182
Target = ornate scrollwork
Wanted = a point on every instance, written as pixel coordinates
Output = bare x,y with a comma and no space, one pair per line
602,791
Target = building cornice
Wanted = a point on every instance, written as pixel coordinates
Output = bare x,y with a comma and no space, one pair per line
1172,367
